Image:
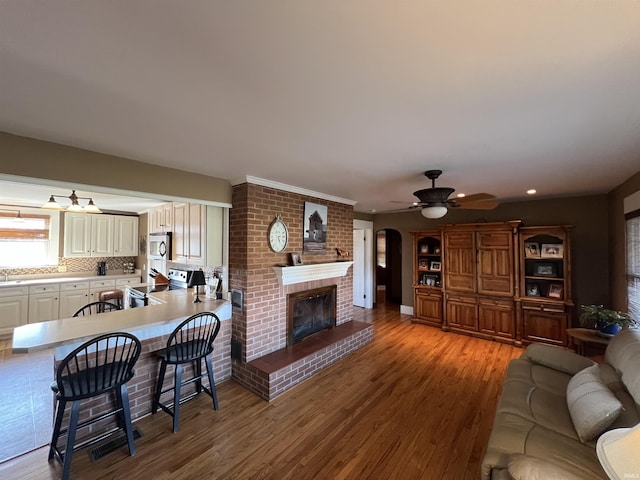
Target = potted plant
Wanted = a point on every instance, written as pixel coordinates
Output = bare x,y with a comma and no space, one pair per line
608,322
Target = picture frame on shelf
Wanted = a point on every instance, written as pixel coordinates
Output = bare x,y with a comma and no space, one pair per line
532,289
423,265
531,250
296,258
551,250
545,269
436,266
555,291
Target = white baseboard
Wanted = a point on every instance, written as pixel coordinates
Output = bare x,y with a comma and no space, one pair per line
406,310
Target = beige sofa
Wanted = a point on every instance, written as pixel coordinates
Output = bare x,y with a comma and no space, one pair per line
555,404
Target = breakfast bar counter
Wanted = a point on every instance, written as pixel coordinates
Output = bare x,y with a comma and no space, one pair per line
151,324
145,322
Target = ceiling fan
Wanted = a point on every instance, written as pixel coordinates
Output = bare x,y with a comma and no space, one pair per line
434,202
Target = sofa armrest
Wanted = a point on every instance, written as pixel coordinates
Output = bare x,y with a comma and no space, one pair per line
557,358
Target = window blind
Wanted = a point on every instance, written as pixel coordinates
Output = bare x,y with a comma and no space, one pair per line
33,227
633,263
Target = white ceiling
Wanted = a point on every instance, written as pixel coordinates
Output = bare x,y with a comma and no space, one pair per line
352,98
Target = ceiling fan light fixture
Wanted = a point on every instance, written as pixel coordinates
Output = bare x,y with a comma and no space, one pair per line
434,212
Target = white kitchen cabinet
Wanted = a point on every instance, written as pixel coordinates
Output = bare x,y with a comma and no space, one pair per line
189,230
88,235
125,236
215,235
44,301
100,235
14,308
73,296
97,286
161,218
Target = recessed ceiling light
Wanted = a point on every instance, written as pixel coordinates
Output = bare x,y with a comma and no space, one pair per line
373,210
460,195
532,191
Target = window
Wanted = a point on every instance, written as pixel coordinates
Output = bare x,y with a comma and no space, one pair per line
31,240
633,263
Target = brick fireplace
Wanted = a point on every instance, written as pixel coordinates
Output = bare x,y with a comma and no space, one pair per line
259,328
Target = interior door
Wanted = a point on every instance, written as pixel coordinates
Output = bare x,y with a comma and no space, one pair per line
359,291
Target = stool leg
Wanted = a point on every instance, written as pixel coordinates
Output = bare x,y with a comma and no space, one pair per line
56,429
212,382
71,439
197,366
176,397
156,397
123,399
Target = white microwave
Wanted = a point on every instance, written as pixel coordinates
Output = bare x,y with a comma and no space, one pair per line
160,246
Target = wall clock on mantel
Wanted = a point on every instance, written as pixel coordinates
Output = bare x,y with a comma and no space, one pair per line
278,235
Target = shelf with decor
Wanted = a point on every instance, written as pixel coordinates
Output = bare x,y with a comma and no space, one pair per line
545,283
427,278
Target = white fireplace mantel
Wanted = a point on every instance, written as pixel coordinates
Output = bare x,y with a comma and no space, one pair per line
310,273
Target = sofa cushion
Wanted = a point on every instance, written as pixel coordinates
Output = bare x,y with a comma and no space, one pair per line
523,370
592,406
513,434
623,354
540,406
630,414
525,467
557,358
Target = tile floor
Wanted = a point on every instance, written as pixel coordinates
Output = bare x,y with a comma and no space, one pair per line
26,401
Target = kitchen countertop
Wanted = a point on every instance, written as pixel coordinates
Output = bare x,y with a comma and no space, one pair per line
144,322
27,280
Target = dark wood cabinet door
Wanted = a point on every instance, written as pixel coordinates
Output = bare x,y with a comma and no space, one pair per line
462,313
544,326
495,263
460,261
497,317
428,307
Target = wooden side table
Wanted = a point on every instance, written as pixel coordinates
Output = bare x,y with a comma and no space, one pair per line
586,336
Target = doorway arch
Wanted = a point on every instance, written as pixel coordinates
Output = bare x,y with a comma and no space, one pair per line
389,265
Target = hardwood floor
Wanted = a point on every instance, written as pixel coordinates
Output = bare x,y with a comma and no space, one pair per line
416,403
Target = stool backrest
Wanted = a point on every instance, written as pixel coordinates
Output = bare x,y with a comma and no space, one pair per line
99,365
193,338
96,307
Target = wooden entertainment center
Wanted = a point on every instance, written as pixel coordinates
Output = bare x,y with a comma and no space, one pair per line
499,281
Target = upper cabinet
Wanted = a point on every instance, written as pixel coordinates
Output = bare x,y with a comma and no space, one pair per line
96,235
125,236
545,279
189,233
161,219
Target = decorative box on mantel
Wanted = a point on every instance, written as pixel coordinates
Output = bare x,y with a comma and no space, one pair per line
310,273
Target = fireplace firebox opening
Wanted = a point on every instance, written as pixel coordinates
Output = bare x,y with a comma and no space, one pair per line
309,312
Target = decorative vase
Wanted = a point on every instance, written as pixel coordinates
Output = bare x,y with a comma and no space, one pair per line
608,329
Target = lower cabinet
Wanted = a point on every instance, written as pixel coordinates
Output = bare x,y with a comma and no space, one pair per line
545,322
44,301
497,317
73,296
462,312
14,308
486,317
97,286
427,306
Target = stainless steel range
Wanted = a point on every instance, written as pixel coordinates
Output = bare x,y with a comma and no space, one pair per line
138,296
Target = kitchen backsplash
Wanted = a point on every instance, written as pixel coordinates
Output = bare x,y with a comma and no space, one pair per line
72,265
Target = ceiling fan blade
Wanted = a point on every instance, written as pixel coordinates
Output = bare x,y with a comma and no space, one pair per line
488,205
474,198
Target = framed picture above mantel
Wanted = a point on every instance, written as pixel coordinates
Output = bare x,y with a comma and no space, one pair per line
315,228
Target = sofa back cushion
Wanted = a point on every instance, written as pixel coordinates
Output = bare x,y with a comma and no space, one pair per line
623,354
592,406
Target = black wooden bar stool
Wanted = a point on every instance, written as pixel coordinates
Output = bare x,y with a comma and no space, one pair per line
191,342
102,365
